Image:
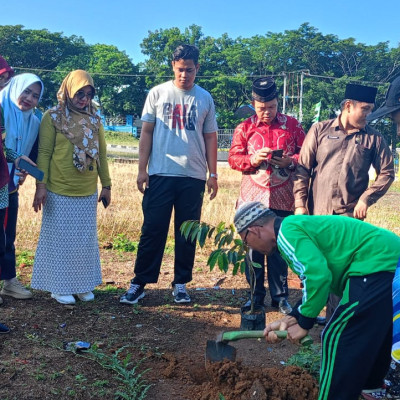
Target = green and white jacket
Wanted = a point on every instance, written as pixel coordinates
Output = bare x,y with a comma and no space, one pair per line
324,251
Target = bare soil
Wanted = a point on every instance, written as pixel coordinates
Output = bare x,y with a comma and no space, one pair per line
169,340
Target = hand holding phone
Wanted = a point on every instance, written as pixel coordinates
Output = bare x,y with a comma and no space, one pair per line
30,169
277,153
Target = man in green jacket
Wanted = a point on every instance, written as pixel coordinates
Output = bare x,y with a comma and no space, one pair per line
344,256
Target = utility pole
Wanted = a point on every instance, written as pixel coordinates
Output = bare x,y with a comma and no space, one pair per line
301,97
284,93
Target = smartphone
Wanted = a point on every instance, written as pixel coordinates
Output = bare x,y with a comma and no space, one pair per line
30,169
104,201
277,153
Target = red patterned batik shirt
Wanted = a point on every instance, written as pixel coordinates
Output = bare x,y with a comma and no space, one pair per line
273,187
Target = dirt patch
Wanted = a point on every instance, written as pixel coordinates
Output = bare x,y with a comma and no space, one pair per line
166,339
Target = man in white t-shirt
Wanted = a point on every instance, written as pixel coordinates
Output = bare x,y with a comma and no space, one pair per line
178,143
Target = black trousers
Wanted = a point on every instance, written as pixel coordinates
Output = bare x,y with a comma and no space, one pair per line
277,272
356,343
7,260
183,195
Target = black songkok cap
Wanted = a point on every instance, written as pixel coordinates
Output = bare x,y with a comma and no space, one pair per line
366,94
264,89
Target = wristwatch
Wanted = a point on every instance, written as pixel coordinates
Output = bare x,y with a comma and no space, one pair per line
214,176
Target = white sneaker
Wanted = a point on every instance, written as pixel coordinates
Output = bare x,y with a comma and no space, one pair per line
63,298
14,288
88,296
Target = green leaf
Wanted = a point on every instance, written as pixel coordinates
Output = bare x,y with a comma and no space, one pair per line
235,268
256,265
213,259
211,231
243,267
186,228
202,235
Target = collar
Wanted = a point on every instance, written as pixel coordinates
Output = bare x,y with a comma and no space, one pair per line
276,120
338,127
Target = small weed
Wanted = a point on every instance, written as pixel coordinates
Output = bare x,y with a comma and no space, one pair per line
133,386
123,244
100,383
80,378
309,358
25,258
40,377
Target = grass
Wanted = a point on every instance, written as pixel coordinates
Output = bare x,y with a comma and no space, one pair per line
121,138
122,220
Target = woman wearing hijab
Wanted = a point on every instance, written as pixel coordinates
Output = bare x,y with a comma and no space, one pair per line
6,155
72,154
6,73
18,100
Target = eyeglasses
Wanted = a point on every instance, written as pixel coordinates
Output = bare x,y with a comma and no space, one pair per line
80,94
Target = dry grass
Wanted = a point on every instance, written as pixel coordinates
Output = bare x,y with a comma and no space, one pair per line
124,216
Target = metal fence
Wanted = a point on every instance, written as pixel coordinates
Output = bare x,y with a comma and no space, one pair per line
225,138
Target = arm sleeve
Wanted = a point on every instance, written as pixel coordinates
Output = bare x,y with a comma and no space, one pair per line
103,169
299,135
306,163
383,165
47,139
149,111
238,158
307,261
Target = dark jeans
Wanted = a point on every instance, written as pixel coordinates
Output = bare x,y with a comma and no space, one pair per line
185,196
7,261
277,272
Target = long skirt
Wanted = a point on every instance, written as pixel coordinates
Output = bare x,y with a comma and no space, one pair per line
67,258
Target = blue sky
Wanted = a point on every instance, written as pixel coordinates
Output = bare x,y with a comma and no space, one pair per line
124,23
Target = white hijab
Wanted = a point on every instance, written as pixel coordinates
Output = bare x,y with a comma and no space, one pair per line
22,127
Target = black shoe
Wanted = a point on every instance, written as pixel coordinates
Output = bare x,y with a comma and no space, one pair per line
133,294
180,294
283,306
4,328
320,321
256,301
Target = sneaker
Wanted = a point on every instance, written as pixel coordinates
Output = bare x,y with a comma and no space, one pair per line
88,296
379,393
180,294
14,288
63,298
4,328
133,294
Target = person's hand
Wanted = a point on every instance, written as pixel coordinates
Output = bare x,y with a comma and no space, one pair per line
260,156
280,325
300,211
106,193
40,197
22,176
212,187
23,157
295,333
142,181
360,210
281,162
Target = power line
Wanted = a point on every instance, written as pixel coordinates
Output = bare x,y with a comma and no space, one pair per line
280,74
